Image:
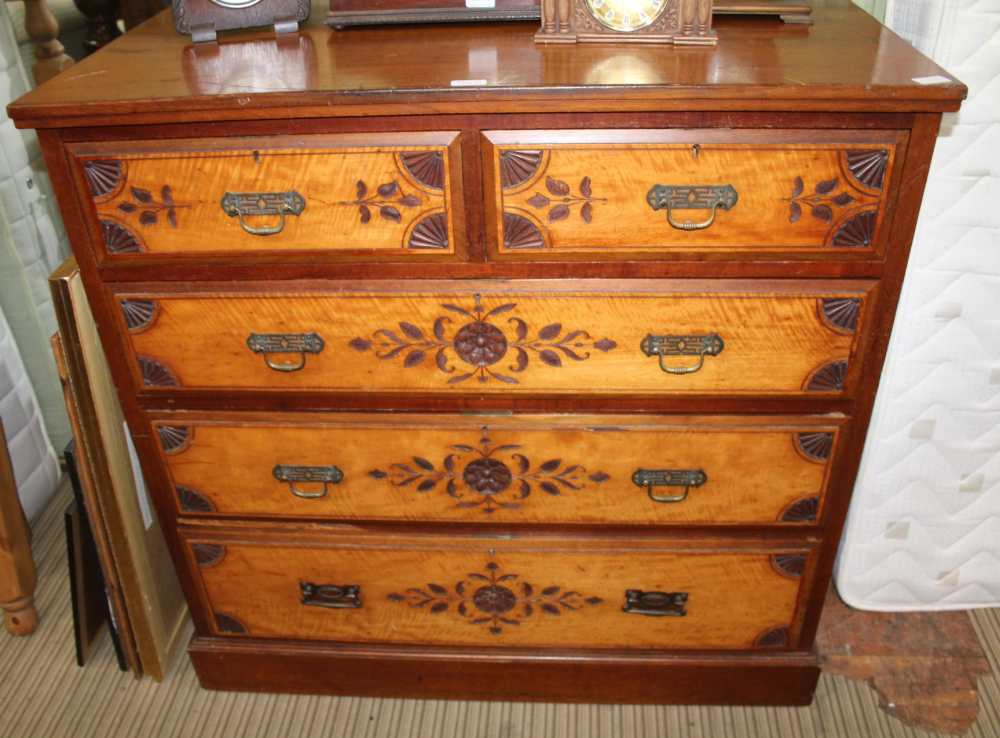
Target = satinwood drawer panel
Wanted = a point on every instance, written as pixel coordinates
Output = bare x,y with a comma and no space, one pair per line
822,194
780,338
523,469
454,590
389,195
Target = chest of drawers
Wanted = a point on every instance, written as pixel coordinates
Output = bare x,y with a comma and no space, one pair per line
554,388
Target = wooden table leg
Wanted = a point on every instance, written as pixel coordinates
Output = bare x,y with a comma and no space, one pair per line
17,568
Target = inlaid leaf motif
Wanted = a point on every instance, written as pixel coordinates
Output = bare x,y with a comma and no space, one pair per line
585,189
413,358
587,212
167,195
409,201
556,186
798,187
843,199
172,217
559,212
387,190
823,212
366,214
147,218
538,200
390,213
826,186
550,331
359,344
127,207
411,330
794,212
362,189
141,195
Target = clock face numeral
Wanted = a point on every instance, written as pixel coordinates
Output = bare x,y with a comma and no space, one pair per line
626,15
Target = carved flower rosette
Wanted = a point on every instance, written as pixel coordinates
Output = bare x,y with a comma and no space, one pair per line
481,344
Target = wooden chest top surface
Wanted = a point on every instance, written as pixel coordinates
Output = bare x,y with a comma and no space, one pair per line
845,61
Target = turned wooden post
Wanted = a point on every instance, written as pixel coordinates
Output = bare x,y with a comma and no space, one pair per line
43,30
17,568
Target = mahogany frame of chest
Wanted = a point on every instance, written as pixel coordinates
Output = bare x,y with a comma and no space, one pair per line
785,676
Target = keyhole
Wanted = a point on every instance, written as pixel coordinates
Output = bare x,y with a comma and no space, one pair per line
695,151
256,157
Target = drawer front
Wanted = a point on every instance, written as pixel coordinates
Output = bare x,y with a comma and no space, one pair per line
524,469
348,193
647,192
455,591
785,338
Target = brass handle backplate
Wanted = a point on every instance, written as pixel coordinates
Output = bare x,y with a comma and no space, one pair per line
655,604
285,343
335,596
651,478
691,197
241,204
710,344
326,475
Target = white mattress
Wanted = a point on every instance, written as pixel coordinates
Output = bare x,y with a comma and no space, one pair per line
32,243
36,470
923,532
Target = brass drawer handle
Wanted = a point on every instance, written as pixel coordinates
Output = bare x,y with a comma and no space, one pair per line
686,478
655,604
691,197
291,474
335,596
240,204
285,343
700,346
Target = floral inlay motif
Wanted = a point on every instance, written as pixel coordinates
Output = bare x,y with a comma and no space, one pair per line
481,345
386,200
494,599
489,476
820,202
149,208
560,200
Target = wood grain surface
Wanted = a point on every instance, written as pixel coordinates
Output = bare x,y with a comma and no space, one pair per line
454,591
844,62
505,339
491,470
357,194
587,191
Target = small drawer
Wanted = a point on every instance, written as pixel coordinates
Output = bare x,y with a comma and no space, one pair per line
523,469
454,590
777,338
348,194
659,193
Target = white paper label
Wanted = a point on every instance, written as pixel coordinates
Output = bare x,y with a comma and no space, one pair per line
141,493
934,79
480,3
469,83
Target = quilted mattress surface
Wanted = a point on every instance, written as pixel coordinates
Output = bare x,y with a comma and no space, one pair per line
924,527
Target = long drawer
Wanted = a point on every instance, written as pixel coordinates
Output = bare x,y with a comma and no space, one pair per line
523,469
393,195
779,338
580,593
634,193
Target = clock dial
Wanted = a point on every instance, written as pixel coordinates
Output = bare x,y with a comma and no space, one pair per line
626,15
235,4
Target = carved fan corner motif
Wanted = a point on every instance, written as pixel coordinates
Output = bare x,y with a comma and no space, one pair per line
104,177
425,167
520,233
